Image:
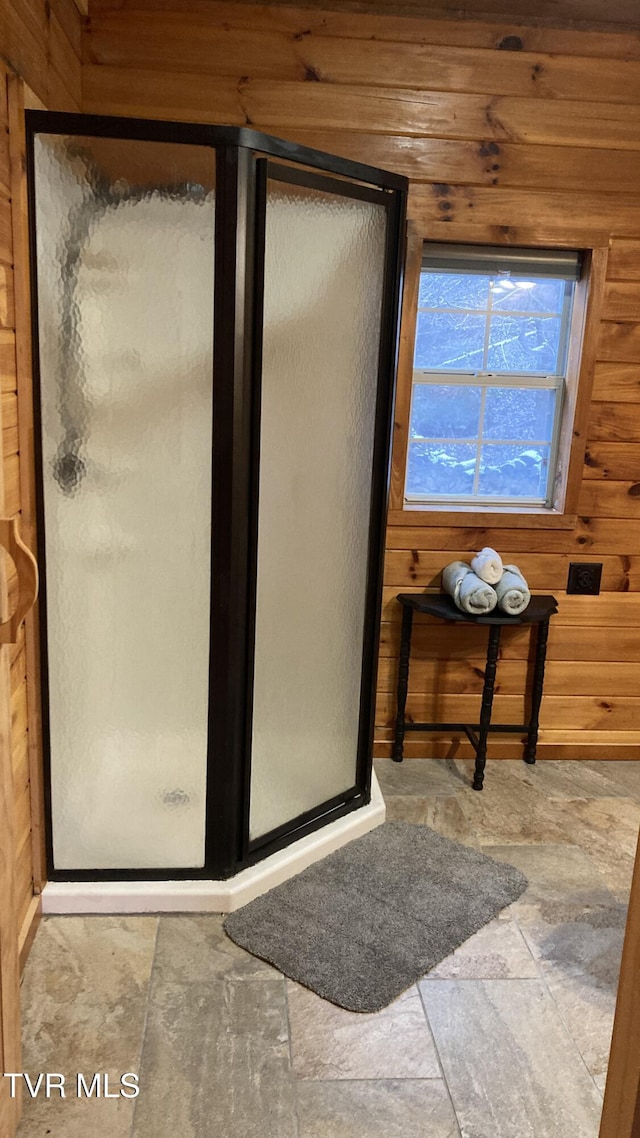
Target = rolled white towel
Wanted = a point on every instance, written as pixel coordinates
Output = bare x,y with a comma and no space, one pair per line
469,593
487,564
512,591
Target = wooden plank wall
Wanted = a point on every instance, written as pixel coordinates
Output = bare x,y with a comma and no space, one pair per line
509,134
41,43
40,40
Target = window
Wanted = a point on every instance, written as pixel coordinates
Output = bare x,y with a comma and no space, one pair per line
489,375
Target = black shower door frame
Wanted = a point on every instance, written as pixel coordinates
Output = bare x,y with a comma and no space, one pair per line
244,159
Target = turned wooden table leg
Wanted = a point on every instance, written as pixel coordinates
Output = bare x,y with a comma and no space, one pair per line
403,682
536,693
493,649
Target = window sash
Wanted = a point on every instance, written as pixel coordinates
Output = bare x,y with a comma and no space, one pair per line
476,379
564,315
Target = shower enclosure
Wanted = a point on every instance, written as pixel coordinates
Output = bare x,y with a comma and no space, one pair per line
215,324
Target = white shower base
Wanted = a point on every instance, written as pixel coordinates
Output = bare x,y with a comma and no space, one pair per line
213,896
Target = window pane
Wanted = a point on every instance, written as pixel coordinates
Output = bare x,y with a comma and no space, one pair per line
446,290
514,471
445,412
450,340
524,343
441,468
519,413
528,295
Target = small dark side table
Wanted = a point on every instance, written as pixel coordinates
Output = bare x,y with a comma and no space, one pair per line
539,611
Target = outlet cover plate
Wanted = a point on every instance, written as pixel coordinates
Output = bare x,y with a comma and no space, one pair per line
584,577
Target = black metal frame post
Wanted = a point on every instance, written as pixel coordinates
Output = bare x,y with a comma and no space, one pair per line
233,349
380,480
536,692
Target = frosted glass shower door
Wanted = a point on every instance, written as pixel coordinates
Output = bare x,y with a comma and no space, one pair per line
324,269
125,248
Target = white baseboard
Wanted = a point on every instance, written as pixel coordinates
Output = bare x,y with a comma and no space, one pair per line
213,896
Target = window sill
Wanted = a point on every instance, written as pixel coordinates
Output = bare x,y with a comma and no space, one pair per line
510,517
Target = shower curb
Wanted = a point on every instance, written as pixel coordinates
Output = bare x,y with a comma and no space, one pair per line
69,897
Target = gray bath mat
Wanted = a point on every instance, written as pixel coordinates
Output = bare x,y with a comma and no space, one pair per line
365,923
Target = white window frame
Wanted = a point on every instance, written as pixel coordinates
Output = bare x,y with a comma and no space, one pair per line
493,262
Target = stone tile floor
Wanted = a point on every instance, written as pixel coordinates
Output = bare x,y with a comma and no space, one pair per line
507,1038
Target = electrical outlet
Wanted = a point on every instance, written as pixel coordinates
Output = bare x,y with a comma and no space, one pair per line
584,577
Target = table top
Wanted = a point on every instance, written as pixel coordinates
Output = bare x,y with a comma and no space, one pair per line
441,604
